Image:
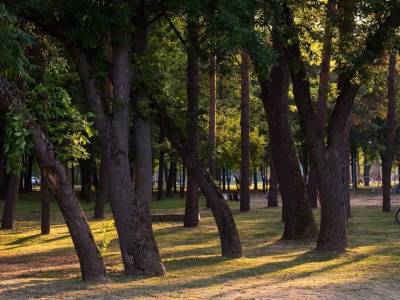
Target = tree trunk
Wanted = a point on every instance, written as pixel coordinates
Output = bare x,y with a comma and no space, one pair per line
101,196
298,216
160,183
224,179
28,174
367,168
312,188
10,201
345,161
389,133
193,89
59,182
229,237
212,116
171,176
354,167
272,197
183,181
86,168
44,205
255,179
139,250
245,132
228,179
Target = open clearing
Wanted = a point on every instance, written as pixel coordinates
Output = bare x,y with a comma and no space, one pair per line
34,266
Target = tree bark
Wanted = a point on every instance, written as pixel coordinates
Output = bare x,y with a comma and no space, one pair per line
389,133
171,176
28,174
272,197
255,179
101,196
245,132
86,167
183,181
367,168
160,181
44,205
192,206
298,216
312,188
10,201
59,182
229,236
139,250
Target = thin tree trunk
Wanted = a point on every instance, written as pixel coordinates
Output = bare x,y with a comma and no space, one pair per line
224,179
255,179
44,205
28,174
171,174
183,181
367,168
10,201
86,179
354,176
101,196
192,206
212,115
228,179
245,132
389,133
272,197
160,181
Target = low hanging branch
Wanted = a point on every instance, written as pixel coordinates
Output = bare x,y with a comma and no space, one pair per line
59,181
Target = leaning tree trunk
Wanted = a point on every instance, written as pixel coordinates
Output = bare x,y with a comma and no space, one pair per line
228,234
59,181
298,216
193,89
10,201
389,133
139,249
44,205
245,132
272,197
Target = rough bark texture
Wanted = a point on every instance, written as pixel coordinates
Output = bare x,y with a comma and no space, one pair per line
10,201
228,234
389,133
44,205
298,216
59,182
245,132
139,250
193,90
272,197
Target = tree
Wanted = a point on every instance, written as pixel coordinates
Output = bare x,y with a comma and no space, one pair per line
245,132
389,132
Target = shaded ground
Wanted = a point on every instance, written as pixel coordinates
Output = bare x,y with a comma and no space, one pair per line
34,266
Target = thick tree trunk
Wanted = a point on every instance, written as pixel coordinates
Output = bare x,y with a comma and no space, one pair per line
272,197
298,216
139,250
3,174
193,90
28,174
59,182
389,133
245,132
86,167
345,161
44,205
212,116
10,201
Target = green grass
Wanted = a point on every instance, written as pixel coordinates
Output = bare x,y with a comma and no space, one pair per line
32,265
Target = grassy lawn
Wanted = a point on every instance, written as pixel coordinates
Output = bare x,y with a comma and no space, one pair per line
46,266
